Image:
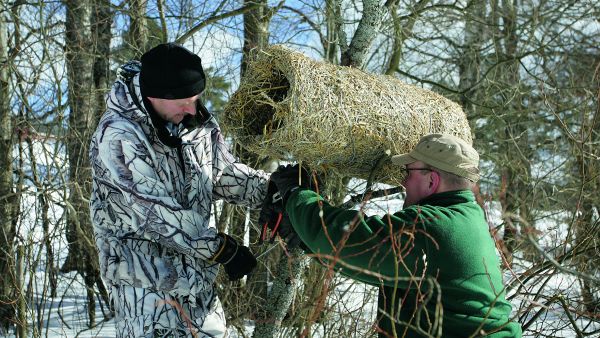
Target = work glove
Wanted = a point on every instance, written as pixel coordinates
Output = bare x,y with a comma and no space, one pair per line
275,221
237,260
289,178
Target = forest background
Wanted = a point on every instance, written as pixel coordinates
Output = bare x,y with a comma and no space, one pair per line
525,72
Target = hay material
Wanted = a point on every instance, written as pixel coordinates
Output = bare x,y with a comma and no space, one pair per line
334,118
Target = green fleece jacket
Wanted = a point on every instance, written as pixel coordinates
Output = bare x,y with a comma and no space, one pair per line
435,263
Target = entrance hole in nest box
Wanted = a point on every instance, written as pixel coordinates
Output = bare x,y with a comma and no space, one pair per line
276,89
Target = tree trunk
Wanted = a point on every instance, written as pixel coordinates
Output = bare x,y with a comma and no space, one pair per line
402,33
274,304
290,269
283,290
515,135
7,197
256,31
102,18
470,61
368,27
101,22
331,44
138,28
256,37
82,256
164,37
586,228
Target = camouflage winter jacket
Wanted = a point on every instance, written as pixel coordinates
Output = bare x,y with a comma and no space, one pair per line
151,202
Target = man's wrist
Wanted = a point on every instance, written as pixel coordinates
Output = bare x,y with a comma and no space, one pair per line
226,251
287,195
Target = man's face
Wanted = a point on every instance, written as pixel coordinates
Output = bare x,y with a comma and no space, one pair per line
174,110
417,183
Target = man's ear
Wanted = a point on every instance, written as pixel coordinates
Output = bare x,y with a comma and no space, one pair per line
434,181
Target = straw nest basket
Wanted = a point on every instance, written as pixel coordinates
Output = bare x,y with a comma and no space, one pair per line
332,118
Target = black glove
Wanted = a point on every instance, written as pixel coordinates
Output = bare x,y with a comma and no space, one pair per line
274,220
288,178
288,234
271,213
237,259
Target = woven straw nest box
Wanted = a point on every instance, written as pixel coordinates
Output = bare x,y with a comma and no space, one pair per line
332,118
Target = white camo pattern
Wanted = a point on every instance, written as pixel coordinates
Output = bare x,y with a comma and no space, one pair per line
150,208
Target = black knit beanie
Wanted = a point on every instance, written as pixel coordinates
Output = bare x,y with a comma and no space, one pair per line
170,71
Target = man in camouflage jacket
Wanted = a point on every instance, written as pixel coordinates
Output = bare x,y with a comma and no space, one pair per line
159,161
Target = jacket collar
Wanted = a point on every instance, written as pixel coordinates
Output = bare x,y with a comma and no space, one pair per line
448,198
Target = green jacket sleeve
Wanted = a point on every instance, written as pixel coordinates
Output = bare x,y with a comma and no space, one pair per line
375,250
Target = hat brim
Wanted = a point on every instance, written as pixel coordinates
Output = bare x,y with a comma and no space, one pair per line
403,159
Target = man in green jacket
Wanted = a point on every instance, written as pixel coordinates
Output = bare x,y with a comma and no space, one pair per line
434,261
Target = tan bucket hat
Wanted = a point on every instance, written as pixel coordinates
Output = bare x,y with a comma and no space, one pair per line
445,152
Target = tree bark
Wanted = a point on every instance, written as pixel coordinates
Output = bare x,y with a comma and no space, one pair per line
256,31
82,100
516,169
289,274
586,227
138,27
470,60
368,27
283,290
331,43
401,33
102,18
163,22
7,196
275,303
256,37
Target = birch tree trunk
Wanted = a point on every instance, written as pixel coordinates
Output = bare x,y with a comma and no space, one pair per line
7,199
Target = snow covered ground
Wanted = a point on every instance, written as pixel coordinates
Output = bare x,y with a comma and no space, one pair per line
349,303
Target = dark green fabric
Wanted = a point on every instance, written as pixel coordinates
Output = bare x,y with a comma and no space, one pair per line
444,239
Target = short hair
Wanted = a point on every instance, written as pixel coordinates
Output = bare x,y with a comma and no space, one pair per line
453,180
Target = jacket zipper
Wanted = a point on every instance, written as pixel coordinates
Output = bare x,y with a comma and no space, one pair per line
181,161
182,164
